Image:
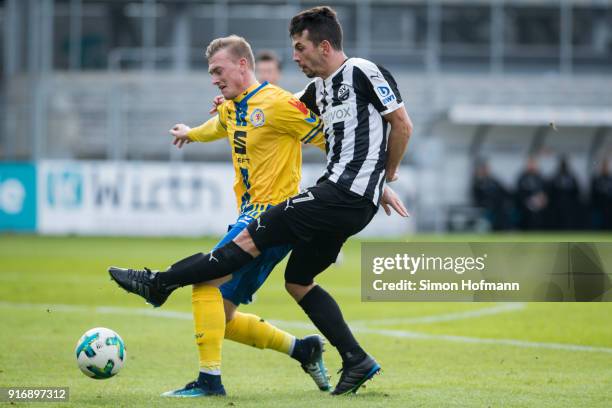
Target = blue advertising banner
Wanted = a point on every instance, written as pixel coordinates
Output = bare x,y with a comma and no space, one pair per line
17,197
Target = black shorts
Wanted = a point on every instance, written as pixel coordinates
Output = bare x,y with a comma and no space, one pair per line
316,223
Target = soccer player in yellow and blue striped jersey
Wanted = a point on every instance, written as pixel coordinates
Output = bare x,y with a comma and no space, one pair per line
266,127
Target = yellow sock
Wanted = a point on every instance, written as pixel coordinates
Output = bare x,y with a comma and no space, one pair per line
254,331
209,319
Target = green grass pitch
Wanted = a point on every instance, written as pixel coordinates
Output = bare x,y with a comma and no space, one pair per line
433,354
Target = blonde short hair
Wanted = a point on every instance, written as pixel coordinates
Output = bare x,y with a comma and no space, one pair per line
236,45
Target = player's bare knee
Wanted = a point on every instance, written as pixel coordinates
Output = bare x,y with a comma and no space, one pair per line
246,243
230,310
298,291
291,289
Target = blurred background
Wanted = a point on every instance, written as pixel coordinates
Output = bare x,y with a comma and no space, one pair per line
511,101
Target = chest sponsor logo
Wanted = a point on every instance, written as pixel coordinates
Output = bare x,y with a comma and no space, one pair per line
337,114
240,142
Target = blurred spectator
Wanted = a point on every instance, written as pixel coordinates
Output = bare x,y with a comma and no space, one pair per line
489,194
601,198
531,196
566,209
268,67
123,30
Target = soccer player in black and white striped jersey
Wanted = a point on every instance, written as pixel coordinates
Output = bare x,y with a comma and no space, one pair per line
357,101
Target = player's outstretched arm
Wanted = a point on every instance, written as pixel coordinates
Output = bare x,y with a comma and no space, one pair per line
390,200
401,129
213,129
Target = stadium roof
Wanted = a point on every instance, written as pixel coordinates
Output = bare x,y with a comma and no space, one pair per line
525,115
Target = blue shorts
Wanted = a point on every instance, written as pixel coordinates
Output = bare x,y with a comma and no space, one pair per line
248,279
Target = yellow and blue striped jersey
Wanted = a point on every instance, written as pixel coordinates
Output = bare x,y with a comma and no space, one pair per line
266,127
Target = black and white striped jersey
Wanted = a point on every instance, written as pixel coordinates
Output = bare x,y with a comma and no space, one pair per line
352,102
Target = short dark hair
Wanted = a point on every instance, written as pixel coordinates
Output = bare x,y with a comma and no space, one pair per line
322,24
269,55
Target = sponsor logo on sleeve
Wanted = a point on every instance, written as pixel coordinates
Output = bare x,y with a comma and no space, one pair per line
386,94
299,105
383,91
312,118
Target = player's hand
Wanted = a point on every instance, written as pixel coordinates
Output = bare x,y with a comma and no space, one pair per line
217,100
179,132
390,199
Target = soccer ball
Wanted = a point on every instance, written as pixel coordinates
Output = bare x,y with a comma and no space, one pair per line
100,353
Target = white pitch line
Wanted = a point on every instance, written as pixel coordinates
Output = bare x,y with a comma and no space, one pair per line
478,340
131,311
456,339
469,314
303,325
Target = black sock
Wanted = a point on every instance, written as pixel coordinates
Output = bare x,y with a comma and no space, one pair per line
209,381
201,268
325,313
